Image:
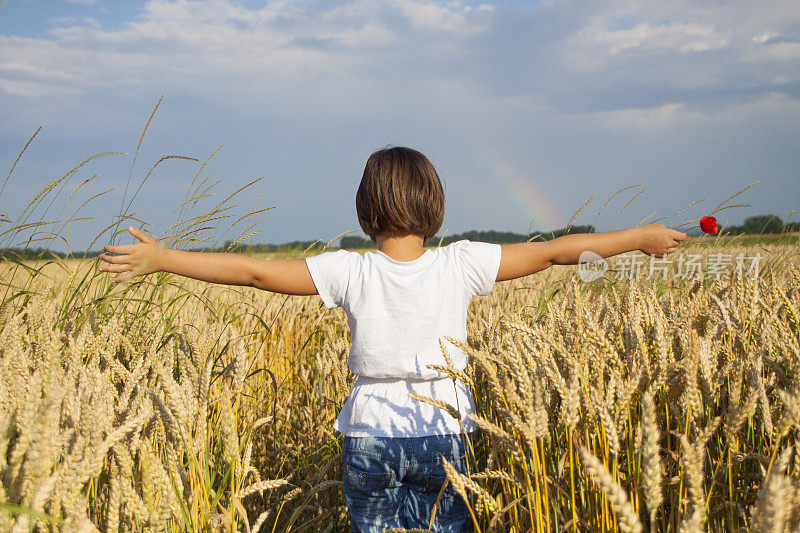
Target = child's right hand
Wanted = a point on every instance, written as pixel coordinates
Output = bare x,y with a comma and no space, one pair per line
659,240
132,259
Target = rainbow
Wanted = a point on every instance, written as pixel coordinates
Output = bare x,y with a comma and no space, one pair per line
520,188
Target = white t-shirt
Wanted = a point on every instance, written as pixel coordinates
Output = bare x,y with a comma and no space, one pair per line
398,311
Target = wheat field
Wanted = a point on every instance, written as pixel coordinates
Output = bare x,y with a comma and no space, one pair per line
630,404
660,402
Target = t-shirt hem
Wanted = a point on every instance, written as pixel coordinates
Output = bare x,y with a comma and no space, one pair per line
378,432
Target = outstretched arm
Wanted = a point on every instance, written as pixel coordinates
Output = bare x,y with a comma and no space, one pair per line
287,276
521,259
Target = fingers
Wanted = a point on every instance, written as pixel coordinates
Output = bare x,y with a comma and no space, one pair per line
120,249
675,234
129,248
115,259
139,234
115,268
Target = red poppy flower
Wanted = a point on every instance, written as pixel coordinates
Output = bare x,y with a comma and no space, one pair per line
709,225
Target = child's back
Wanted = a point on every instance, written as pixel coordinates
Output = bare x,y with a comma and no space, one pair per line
398,312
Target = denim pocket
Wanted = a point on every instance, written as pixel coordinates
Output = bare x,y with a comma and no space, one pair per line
433,483
371,490
367,481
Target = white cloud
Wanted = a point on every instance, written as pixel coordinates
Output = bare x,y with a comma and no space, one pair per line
335,58
642,119
34,89
280,59
782,51
429,15
764,37
647,37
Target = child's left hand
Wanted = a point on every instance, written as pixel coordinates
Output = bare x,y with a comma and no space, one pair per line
132,259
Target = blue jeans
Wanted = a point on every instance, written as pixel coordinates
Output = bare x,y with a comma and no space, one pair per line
395,482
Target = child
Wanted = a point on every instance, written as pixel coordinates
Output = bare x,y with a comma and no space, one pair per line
400,301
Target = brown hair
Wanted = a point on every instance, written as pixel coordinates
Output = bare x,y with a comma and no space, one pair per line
400,194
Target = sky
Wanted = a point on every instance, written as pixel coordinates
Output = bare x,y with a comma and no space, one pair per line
526,109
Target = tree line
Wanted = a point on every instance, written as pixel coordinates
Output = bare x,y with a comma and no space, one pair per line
754,225
759,224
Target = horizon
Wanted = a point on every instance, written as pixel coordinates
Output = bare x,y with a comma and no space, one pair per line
723,233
